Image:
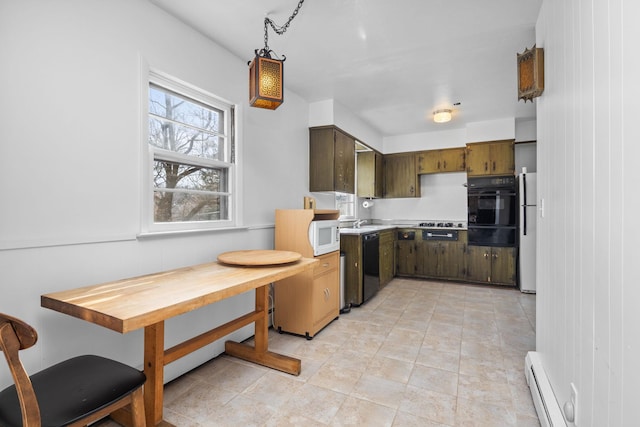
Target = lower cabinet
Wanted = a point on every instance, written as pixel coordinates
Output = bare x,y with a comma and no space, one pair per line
445,260
486,264
307,302
406,253
387,257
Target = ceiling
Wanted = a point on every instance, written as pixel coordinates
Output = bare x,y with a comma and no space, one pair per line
391,63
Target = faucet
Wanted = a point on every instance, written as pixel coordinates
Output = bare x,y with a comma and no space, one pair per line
359,222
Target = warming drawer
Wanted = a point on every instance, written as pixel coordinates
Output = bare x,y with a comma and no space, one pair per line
440,234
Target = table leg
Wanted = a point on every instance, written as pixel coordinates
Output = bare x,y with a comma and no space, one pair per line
259,353
154,370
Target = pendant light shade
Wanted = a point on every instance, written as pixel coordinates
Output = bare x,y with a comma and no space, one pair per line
442,116
266,82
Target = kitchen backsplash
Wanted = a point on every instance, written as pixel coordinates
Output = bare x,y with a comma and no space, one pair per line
444,196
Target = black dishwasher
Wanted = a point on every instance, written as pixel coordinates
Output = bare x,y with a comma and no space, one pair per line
371,265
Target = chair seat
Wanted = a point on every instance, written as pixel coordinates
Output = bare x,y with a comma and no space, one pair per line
72,389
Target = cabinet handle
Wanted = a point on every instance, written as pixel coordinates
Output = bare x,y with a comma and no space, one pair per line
486,255
486,166
326,264
494,165
495,256
444,164
438,164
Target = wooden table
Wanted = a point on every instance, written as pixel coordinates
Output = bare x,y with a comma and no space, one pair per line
147,301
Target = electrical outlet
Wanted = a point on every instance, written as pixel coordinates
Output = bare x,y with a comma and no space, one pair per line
574,401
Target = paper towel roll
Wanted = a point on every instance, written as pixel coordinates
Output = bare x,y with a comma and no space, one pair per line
367,204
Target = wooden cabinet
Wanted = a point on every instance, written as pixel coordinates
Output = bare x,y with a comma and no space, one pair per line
387,256
440,161
406,248
307,302
442,259
351,246
490,158
370,174
400,177
331,160
493,265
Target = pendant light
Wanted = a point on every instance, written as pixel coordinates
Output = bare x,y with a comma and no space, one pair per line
266,82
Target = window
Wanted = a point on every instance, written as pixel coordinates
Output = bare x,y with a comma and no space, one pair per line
192,158
346,204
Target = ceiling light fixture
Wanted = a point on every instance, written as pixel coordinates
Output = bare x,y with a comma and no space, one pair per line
442,116
266,83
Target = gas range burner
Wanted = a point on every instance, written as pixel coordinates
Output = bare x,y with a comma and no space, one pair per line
427,224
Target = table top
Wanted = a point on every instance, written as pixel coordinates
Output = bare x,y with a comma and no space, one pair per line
130,304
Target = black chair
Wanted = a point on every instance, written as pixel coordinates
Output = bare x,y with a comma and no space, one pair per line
75,392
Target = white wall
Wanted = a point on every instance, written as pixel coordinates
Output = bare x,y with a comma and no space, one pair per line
588,281
70,161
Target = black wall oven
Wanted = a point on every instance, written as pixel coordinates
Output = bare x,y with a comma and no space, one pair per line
492,207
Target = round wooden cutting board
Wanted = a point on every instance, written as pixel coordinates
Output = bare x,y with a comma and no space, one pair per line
258,257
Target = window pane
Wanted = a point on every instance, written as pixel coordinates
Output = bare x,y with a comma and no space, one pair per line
187,177
179,207
185,140
177,108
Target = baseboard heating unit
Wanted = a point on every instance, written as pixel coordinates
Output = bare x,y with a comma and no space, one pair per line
544,399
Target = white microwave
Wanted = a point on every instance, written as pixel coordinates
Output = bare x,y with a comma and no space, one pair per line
324,236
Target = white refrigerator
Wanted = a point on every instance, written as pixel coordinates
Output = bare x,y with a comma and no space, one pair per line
527,231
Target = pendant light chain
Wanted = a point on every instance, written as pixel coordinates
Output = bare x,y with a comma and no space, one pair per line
277,29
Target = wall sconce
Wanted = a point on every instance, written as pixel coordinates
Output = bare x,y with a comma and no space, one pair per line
442,116
530,73
266,82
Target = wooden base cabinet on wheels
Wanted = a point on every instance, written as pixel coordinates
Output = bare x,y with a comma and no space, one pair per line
307,302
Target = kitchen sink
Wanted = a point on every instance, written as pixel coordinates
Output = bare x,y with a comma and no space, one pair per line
365,228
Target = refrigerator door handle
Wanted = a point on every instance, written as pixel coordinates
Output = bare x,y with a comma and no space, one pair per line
524,210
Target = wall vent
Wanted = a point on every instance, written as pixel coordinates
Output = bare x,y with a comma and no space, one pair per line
544,399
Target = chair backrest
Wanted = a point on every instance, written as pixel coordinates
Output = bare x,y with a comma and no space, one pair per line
15,335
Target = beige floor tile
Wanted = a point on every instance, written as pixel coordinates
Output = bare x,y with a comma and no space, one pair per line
379,390
358,412
434,379
434,406
419,353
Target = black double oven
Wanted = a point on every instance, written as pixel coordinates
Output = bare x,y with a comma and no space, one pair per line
492,207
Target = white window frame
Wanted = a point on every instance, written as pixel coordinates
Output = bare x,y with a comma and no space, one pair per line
151,153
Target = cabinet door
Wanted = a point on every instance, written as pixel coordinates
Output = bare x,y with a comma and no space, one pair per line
478,159
325,302
345,163
451,260
428,161
452,160
351,245
321,159
503,266
479,264
406,258
427,258
387,258
502,158
400,178
370,174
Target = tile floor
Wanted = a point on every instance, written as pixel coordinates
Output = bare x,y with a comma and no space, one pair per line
420,353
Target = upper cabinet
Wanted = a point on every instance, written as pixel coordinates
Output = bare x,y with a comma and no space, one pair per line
490,158
331,160
370,174
439,161
400,177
